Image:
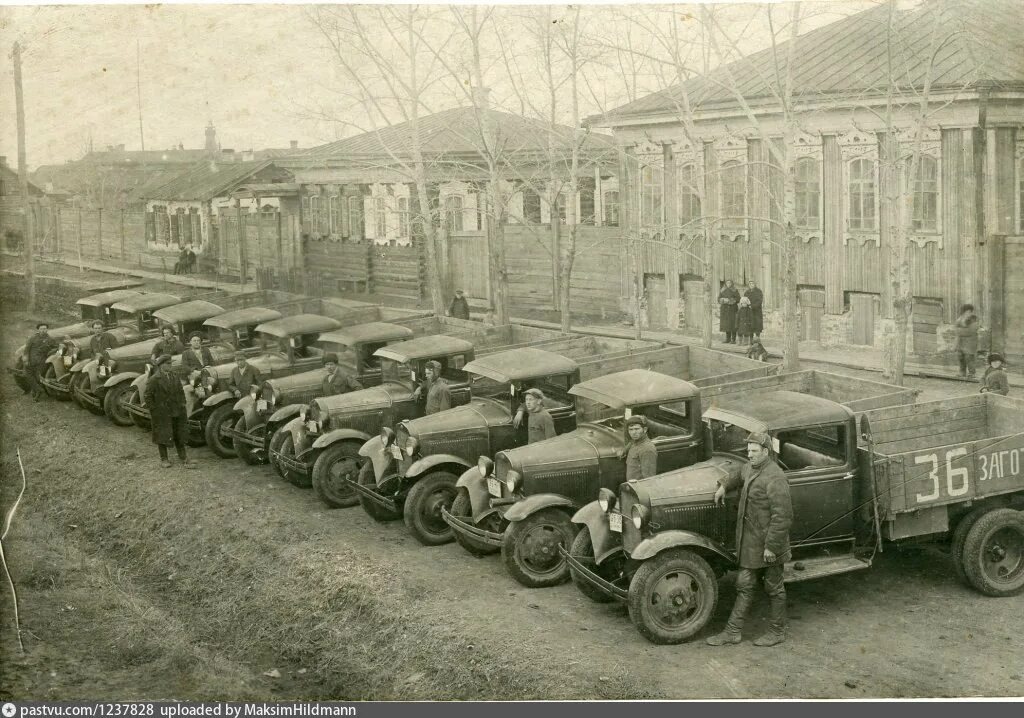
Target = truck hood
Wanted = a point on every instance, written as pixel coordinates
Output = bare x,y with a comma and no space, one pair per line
588,442
479,413
130,351
301,381
378,397
681,486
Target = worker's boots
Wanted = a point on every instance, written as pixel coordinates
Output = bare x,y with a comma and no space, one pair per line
776,632
733,632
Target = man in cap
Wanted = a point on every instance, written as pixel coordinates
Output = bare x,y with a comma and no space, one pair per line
641,453
994,380
439,396
168,344
165,398
196,356
243,376
763,520
38,348
337,381
539,424
459,308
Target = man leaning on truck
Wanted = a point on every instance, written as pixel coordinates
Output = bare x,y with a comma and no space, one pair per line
763,520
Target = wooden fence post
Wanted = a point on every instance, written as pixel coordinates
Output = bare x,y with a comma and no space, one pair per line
80,267
99,233
123,254
59,229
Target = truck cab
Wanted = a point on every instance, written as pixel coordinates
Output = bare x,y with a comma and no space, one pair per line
521,503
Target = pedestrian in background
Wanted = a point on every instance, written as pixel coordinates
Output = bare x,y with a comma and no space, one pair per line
967,340
994,380
744,322
459,308
728,301
756,297
165,398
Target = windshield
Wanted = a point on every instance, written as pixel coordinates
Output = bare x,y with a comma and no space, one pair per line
485,386
346,354
391,370
729,438
124,317
90,312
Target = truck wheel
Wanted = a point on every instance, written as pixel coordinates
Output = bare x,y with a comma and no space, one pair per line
956,547
51,375
113,404
245,452
91,408
276,442
993,553
136,399
376,511
463,508
292,477
74,387
583,551
672,596
530,550
337,463
223,415
422,512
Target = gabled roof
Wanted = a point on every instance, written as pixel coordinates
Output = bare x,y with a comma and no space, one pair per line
436,345
206,180
634,387
777,410
299,324
188,311
368,332
457,131
521,364
980,45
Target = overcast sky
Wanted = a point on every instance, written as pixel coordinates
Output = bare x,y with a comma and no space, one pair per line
254,70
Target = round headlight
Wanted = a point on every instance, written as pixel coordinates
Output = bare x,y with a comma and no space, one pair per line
386,435
302,413
639,515
513,480
485,465
411,445
111,364
606,499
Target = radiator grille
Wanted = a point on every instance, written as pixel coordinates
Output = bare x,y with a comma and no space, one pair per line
706,519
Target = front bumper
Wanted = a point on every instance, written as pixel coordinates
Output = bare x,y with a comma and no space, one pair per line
137,410
255,440
465,528
583,571
290,464
380,499
90,398
56,386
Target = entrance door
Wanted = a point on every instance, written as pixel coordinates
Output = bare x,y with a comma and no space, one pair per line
693,294
657,294
1013,284
812,307
862,309
469,268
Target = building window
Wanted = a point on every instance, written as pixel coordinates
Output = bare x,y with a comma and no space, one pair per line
314,214
808,193
531,206
734,193
337,208
355,216
926,195
650,195
861,188
689,195
453,212
611,208
403,216
380,217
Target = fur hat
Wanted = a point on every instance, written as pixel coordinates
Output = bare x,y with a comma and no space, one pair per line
435,365
637,420
995,356
330,358
761,439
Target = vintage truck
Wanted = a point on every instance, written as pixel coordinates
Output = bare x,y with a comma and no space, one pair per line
321,445
75,342
521,503
286,346
944,470
226,334
280,399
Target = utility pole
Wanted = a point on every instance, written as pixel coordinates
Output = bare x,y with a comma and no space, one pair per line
138,90
19,100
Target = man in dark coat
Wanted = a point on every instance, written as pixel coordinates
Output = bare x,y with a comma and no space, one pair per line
168,344
763,520
243,376
756,297
337,381
994,380
641,453
195,357
539,424
459,308
967,340
166,401
439,396
728,299
38,348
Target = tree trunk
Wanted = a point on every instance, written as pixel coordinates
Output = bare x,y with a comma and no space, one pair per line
568,256
496,233
707,329
790,316
429,234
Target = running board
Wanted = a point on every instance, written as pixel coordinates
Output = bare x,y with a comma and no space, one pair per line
809,569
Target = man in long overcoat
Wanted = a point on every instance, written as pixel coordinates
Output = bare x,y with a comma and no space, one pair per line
756,297
438,395
335,380
728,299
38,349
763,520
165,398
459,308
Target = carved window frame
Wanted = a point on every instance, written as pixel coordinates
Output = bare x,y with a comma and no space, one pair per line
650,173
931,147
730,150
691,227
854,146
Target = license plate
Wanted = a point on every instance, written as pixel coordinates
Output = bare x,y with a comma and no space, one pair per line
494,487
261,405
67,361
102,371
312,427
615,522
396,453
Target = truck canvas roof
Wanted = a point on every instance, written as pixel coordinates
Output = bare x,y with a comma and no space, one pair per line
634,387
520,364
242,317
777,410
107,298
299,324
142,302
188,311
424,347
368,332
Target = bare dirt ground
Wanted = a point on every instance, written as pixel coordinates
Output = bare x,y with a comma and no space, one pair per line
141,582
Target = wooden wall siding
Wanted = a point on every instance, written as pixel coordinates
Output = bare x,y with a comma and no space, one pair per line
955,203
971,217
1013,310
831,188
1005,187
398,271
862,268
346,263
469,267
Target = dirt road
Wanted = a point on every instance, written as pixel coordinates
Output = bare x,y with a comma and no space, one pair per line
139,581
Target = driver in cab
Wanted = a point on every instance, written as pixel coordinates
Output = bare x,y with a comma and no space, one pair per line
641,453
439,396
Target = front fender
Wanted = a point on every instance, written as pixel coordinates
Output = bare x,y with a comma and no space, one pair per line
217,399
336,435
140,382
247,406
475,485
605,541
422,466
651,547
81,365
120,377
285,412
532,504
374,449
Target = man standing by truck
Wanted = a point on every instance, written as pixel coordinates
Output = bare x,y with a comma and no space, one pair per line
641,453
37,349
763,520
439,396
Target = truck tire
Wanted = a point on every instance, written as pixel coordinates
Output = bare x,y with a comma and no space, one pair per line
375,511
51,375
245,452
672,596
583,550
530,550
293,478
956,546
276,442
136,399
337,463
422,511
223,415
74,386
113,404
993,553
462,508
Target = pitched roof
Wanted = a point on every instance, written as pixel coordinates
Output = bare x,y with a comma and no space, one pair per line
457,131
206,180
980,45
